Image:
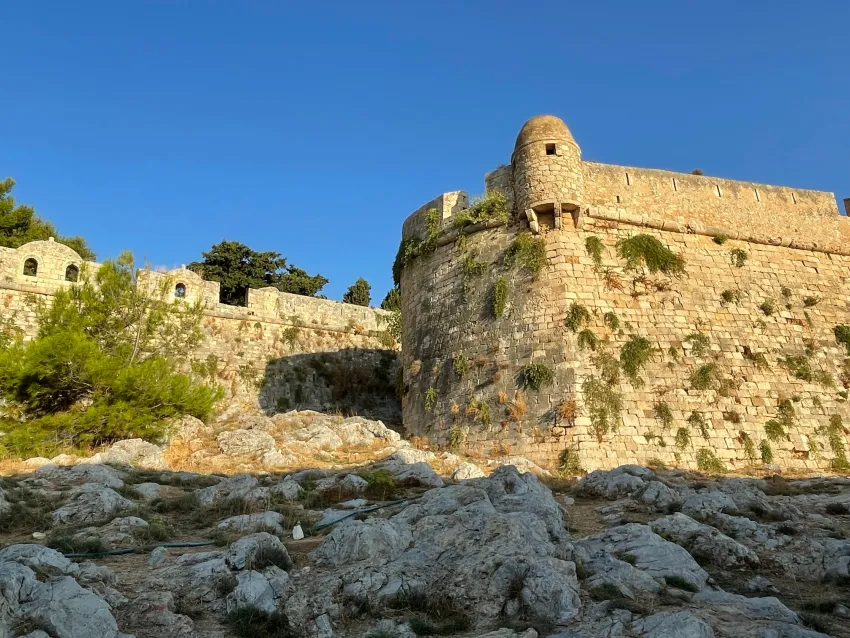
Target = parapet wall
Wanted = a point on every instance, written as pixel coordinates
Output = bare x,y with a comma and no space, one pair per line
280,350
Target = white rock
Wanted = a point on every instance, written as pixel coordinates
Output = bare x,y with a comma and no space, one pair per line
53,475
254,522
158,556
245,442
90,503
411,455
375,540
148,491
245,552
288,490
704,541
680,624
36,462
259,590
141,453
466,471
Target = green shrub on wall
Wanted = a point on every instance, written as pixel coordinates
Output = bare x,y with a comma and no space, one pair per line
604,405
537,375
587,340
594,247
766,452
577,317
697,420
634,355
500,296
738,257
529,251
707,461
491,206
842,336
663,413
645,251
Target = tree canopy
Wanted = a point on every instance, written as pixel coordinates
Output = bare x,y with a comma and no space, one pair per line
19,224
237,267
393,299
359,293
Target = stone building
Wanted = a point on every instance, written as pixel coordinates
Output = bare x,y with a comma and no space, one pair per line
745,365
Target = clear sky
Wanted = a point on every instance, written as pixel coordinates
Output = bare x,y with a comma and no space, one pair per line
315,128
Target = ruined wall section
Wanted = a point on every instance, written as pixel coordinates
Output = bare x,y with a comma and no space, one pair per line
281,351
770,214
448,314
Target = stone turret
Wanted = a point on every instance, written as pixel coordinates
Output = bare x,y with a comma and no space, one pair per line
547,169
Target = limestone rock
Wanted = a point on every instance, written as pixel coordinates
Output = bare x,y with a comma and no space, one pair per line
704,541
264,590
245,442
288,489
412,474
91,503
703,505
652,554
68,476
153,612
148,491
375,540
680,624
466,471
249,550
238,487
254,523
411,455
626,480
158,557
142,454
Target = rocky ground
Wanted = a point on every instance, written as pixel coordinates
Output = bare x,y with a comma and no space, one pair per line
404,542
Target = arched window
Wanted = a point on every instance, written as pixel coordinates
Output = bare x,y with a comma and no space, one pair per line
72,273
31,267
180,291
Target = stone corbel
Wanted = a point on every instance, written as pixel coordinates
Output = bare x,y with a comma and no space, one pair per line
532,220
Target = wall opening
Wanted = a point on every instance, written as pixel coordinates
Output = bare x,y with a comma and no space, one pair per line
550,149
180,291
618,199
545,216
628,180
758,197
31,267
72,273
794,198
675,186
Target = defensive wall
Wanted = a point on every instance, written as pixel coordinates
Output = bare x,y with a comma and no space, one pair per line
743,341
281,350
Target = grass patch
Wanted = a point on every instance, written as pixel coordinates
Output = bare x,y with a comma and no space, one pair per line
680,583
529,251
435,614
250,622
645,251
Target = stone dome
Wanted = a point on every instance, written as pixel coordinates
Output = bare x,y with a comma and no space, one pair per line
542,128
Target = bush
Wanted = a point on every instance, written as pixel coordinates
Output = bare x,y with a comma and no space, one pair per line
430,398
700,343
569,463
809,302
698,421
587,339
766,453
250,622
634,355
594,247
720,239
683,438
738,257
708,462
731,296
604,405
703,377
492,205
643,250
612,321
663,413
577,316
500,296
768,307
842,336
537,375
529,251
104,366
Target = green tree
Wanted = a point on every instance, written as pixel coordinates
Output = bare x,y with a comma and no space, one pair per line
359,294
104,365
237,267
19,224
392,301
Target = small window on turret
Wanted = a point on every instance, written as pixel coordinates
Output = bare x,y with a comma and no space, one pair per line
31,267
180,291
72,273
550,149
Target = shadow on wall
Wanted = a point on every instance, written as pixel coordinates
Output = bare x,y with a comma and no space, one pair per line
353,381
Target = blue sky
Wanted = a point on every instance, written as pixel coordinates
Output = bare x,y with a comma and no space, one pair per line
314,129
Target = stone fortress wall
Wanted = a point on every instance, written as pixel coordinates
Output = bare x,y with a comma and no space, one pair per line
797,264
283,341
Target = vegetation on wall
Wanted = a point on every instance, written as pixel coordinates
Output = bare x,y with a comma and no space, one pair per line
104,366
634,355
491,206
587,340
704,376
536,376
663,413
776,429
604,405
19,225
738,257
766,452
430,398
645,251
500,296
697,420
412,247
237,268
836,438
707,461
683,438
842,336
594,247
569,463
460,363
612,321
731,296
359,293
529,251
577,317
700,344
